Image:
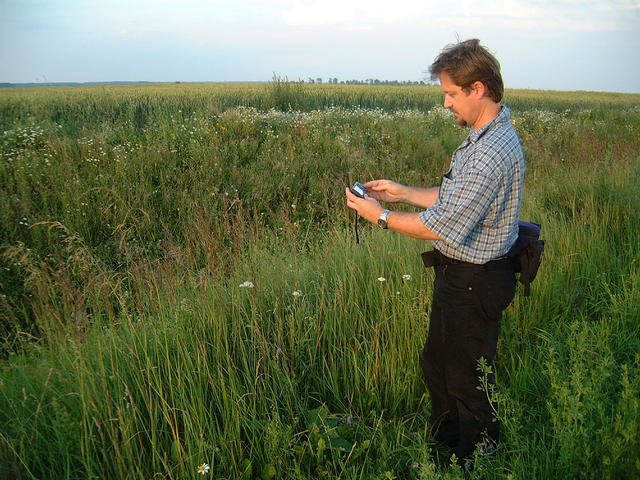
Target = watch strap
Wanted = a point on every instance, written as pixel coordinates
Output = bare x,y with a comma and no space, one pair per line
382,219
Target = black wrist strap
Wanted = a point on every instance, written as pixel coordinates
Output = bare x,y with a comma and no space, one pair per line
355,223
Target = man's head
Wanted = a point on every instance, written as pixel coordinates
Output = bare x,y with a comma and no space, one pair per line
471,81
467,63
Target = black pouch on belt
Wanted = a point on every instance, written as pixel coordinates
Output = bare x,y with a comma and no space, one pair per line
526,254
527,251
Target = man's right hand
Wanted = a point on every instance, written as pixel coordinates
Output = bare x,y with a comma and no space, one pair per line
386,191
393,192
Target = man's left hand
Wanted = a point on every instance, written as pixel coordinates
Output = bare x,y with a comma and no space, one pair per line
368,208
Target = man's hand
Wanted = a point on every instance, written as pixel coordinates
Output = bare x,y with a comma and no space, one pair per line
407,223
393,192
386,191
368,208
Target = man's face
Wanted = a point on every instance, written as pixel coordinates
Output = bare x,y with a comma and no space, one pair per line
463,104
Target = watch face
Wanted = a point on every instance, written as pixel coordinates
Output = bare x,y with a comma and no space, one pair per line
382,221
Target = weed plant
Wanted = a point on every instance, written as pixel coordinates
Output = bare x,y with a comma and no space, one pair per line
180,285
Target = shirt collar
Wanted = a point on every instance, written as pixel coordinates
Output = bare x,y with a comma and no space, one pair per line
503,116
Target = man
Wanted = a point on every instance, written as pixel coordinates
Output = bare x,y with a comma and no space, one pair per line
472,221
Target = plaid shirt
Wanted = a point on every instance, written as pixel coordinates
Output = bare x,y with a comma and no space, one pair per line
478,207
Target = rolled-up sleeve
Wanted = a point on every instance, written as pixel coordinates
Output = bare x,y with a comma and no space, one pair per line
462,205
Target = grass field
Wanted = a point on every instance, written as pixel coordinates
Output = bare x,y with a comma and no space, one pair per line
180,285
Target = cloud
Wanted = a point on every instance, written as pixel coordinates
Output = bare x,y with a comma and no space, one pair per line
530,15
355,12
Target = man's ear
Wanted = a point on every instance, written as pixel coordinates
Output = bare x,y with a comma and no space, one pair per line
478,88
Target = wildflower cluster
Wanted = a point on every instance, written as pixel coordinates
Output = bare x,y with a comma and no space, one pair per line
336,115
22,138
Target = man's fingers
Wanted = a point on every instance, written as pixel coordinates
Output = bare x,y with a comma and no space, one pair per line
375,184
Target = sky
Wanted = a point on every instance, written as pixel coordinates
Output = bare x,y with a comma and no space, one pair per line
541,44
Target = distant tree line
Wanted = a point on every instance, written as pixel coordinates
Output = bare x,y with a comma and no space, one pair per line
368,81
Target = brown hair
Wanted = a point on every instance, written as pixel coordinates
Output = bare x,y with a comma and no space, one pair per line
468,62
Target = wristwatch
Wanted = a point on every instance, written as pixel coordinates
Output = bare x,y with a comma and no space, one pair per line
382,220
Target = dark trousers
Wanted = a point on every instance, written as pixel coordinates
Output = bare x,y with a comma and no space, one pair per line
468,301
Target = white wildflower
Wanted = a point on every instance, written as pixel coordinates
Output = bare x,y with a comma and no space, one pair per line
203,469
382,279
246,284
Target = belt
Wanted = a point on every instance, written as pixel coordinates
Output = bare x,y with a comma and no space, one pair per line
434,258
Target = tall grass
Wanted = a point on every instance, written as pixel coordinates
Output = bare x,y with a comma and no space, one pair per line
180,285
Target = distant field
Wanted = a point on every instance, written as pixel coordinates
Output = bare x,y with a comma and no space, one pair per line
180,284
